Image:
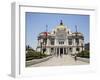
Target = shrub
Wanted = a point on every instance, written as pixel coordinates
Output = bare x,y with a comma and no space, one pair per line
84,54
34,55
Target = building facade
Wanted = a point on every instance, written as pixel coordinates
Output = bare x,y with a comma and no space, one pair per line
60,41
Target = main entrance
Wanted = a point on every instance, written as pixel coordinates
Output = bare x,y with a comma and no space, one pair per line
61,50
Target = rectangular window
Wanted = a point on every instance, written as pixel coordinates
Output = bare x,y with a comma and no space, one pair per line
52,42
70,41
77,41
61,42
77,49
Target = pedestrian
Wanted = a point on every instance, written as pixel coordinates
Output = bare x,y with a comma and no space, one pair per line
75,57
61,55
57,54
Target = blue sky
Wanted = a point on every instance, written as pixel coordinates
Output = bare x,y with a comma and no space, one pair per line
36,23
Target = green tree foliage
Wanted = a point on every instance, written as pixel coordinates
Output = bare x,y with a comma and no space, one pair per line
84,54
32,54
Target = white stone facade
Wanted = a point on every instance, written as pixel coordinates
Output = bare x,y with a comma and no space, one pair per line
60,41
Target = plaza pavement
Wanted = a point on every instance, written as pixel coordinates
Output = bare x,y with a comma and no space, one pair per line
60,61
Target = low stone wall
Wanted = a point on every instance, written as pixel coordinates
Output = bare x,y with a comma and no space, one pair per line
83,59
35,61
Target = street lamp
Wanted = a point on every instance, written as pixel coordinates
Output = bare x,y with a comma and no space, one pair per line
76,38
82,46
45,39
41,42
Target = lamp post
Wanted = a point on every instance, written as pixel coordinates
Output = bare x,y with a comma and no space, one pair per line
41,42
45,39
76,38
82,46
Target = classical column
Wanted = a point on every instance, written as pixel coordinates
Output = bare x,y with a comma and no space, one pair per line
67,50
74,42
63,51
67,41
55,51
59,51
48,42
55,41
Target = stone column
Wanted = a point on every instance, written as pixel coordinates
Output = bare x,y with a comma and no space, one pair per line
74,42
55,51
55,41
59,51
63,51
67,50
48,42
66,42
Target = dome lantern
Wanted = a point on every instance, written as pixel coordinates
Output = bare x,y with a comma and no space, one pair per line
61,26
61,23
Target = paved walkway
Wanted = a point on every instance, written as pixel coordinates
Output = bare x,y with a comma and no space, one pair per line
60,61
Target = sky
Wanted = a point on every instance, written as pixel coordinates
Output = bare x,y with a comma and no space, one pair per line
36,23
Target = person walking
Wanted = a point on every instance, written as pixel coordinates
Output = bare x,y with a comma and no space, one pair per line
75,57
61,55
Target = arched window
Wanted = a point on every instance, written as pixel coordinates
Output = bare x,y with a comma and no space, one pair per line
70,49
77,49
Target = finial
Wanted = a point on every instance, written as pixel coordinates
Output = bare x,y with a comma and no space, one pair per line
76,27
46,27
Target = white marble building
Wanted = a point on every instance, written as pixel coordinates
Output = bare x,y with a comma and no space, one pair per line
60,41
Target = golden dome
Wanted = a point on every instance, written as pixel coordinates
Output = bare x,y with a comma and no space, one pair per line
61,26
